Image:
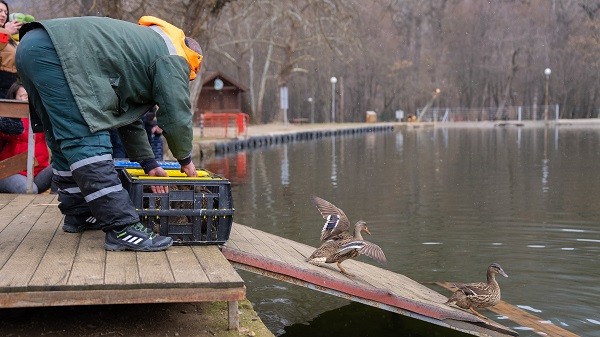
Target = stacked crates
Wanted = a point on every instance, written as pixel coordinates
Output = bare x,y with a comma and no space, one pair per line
194,210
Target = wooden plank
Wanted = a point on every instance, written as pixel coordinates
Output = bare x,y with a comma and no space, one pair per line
284,259
524,318
291,256
236,239
300,251
217,268
6,198
263,249
14,108
119,296
22,264
121,268
89,263
365,274
56,264
14,233
154,268
13,165
13,209
185,266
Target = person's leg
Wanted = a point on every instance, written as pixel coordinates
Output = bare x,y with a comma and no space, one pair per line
72,204
82,156
16,183
43,179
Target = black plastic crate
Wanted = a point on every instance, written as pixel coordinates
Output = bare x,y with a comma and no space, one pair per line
195,211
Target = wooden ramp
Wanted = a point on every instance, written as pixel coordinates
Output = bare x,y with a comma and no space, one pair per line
266,254
40,265
538,325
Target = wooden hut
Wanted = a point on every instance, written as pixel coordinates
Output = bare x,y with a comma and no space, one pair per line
220,93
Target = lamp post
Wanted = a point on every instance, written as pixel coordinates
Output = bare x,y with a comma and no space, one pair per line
312,110
547,72
333,82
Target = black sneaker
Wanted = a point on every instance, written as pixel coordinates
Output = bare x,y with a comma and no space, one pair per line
80,223
138,238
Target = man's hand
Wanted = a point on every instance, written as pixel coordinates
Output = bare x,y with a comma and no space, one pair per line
159,172
189,169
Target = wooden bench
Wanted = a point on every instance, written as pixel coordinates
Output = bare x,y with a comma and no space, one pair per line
22,161
299,120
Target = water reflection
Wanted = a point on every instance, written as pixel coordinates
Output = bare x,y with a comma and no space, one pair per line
333,163
443,204
285,167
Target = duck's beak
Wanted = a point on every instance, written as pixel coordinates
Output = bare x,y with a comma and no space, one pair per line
367,230
503,273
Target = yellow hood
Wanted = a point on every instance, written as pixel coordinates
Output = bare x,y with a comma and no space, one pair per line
177,37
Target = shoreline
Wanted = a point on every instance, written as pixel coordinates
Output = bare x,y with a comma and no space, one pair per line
275,133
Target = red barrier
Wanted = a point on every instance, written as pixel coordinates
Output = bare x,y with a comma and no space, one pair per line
224,124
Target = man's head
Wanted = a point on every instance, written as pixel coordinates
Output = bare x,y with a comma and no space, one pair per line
193,45
195,60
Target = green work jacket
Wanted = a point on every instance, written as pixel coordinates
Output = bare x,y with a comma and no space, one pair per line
116,71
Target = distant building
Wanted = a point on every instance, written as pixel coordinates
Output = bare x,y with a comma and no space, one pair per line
220,93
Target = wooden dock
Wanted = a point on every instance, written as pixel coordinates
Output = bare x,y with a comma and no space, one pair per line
40,265
267,254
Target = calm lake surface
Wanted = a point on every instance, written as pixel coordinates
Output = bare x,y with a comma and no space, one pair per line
443,203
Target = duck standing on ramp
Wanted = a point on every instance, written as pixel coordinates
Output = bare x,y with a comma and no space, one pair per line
337,244
480,294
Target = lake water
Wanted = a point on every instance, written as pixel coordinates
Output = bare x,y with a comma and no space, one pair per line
443,203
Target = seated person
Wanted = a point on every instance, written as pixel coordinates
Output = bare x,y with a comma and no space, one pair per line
15,144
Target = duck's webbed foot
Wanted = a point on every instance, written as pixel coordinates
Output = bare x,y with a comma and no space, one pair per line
343,270
476,313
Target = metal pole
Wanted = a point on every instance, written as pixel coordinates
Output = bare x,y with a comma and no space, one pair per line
30,159
333,81
547,72
333,102
341,103
546,101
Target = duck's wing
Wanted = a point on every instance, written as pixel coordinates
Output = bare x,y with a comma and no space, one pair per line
336,222
364,248
326,250
473,289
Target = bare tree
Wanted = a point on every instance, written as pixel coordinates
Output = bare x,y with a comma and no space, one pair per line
283,35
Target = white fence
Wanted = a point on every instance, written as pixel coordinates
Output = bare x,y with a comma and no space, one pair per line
513,113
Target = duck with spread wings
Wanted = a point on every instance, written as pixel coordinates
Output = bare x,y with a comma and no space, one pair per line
337,244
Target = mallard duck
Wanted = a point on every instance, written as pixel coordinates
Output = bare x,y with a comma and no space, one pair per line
341,249
480,294
337,225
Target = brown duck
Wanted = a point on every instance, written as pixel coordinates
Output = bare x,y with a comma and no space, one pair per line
478,295
342,248
337,225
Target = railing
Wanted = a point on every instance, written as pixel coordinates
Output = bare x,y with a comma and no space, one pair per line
224,124
513,113
21,161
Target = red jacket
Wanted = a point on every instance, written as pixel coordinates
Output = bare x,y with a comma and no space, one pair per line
15,144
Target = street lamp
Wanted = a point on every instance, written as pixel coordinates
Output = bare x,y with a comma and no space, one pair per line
312,109
333,82
547,72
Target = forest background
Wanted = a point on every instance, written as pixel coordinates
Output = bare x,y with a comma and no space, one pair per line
387,55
